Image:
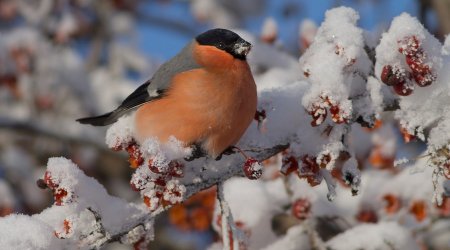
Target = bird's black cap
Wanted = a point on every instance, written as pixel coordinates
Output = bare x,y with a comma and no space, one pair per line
225,40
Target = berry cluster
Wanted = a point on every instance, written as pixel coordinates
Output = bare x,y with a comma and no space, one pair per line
159,187
417,208
154,180
60,194
309,167
420,72
135,157
319,111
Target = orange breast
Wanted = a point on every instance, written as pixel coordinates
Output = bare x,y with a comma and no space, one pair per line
213,108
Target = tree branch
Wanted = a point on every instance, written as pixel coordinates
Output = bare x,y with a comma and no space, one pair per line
230,166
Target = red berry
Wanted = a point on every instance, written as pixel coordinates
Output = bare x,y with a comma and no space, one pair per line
318,114
424,80
419,68
252,169
326,100
409,46
152,203
160,181
335,116
153,168
386,74
334,110
117,147
135,155
391,76
403,88
301,209
59,194
139,185
176,169
48,180
134,187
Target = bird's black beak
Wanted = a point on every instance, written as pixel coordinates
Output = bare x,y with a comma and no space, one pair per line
242,48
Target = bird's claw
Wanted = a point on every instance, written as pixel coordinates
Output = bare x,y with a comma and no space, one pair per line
229,151
197,152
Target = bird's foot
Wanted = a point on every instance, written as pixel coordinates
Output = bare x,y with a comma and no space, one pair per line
229,151
197,152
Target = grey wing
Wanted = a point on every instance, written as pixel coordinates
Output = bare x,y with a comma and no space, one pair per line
151,90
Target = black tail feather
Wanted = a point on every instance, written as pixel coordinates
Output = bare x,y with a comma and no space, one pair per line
101,120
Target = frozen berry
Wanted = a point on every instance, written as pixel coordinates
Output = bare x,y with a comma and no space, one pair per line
155,169
176,169
319,115
409,46
335,114
59,194
386,74
152,202
252,169
391,76
135,155
403,88
49,181
160,181
424,80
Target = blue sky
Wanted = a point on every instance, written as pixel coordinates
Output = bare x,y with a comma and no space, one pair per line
160,43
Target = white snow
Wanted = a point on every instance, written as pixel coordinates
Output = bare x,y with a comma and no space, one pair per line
387,235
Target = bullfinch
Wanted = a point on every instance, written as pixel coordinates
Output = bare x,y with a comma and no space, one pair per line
205,96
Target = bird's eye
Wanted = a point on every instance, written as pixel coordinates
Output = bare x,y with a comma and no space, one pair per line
221,45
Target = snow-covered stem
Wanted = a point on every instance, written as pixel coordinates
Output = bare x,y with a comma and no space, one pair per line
233,168
227,222
225,212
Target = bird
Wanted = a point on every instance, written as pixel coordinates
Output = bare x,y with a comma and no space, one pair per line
205,96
